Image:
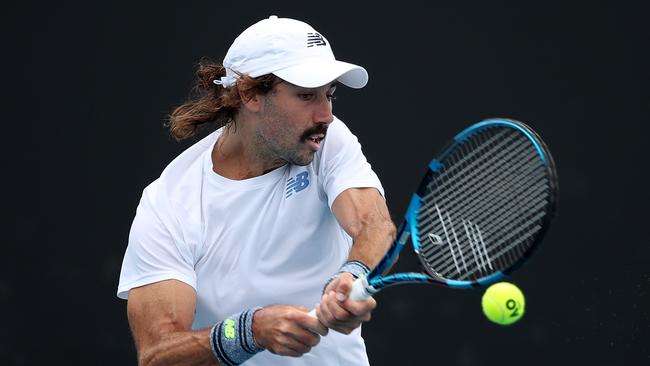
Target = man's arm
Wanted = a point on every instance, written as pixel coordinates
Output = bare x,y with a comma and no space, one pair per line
161,315
363,214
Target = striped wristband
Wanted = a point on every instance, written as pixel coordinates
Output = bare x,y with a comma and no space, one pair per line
354,267
232,340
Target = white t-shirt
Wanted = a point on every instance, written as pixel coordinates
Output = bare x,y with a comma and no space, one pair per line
266,240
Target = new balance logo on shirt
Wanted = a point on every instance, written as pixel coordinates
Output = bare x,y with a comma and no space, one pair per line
297,183
315,39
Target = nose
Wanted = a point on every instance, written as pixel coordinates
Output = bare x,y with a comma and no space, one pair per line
323,111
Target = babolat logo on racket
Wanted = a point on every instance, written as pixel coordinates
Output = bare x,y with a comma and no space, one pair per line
315,39
471,236
297,183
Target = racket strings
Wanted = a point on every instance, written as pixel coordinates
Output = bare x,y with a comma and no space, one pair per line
472,173
470,156
482,258
495,260
515,225
482,208
495,200
476,194
478,247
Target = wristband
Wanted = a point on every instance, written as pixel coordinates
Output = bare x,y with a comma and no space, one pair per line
232,340
354,267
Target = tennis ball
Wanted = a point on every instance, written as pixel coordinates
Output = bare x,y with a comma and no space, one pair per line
503,303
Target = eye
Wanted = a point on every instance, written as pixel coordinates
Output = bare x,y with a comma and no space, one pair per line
306,96
330,94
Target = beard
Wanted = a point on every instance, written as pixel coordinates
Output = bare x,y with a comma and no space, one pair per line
280,138
295,151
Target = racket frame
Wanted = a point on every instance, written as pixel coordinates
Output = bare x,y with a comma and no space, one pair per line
408,229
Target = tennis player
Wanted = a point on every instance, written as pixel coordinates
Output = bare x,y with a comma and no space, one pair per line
274,213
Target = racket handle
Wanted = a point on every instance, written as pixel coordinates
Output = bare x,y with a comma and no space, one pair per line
360,290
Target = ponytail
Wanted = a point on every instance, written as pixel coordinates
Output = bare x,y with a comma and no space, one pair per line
212,103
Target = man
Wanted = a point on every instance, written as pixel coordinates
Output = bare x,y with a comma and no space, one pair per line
274,213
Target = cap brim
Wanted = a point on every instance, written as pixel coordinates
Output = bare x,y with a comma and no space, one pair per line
318,73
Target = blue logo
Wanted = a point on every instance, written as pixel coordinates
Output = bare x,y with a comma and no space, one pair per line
297,183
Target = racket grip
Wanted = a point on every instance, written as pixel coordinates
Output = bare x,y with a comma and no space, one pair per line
360,289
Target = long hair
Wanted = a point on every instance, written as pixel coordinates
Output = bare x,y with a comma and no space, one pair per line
210,103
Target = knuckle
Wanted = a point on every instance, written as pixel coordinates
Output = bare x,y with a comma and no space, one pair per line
283,328
313,341
324,332
326,321
299,348
340,315
291,315
344,330
297,316
291,353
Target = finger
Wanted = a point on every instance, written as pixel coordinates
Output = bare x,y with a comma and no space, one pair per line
346,329
349,312
337,318
313,324
331,286
298,339
302,308
305,337
323,313
298,346
338,312
343,286
359,308
286,350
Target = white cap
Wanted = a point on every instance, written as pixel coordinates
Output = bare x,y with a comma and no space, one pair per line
293,51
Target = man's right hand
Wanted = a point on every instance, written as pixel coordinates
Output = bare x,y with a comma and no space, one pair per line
287,330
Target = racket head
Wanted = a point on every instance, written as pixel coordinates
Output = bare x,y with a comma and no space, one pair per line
483,207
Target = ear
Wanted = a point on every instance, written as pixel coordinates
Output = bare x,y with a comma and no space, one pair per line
251,100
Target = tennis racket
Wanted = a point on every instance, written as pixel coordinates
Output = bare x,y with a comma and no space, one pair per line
480,211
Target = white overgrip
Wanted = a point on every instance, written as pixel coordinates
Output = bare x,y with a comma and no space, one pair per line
360,289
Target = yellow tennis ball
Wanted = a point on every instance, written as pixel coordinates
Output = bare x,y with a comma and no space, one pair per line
503,303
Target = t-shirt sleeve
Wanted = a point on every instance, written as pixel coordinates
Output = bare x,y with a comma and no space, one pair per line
156,250
343,164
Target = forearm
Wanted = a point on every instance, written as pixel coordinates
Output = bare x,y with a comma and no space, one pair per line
363,214
372,240
179,348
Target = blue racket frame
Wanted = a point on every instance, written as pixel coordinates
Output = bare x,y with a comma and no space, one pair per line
408,228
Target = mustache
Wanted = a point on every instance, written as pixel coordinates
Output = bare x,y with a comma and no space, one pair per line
314,130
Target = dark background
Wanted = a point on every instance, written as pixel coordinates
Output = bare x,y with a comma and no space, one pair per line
86,87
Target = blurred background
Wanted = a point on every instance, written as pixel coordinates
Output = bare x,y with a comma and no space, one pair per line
86,87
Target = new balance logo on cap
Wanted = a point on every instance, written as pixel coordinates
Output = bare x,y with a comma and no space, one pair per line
315,39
